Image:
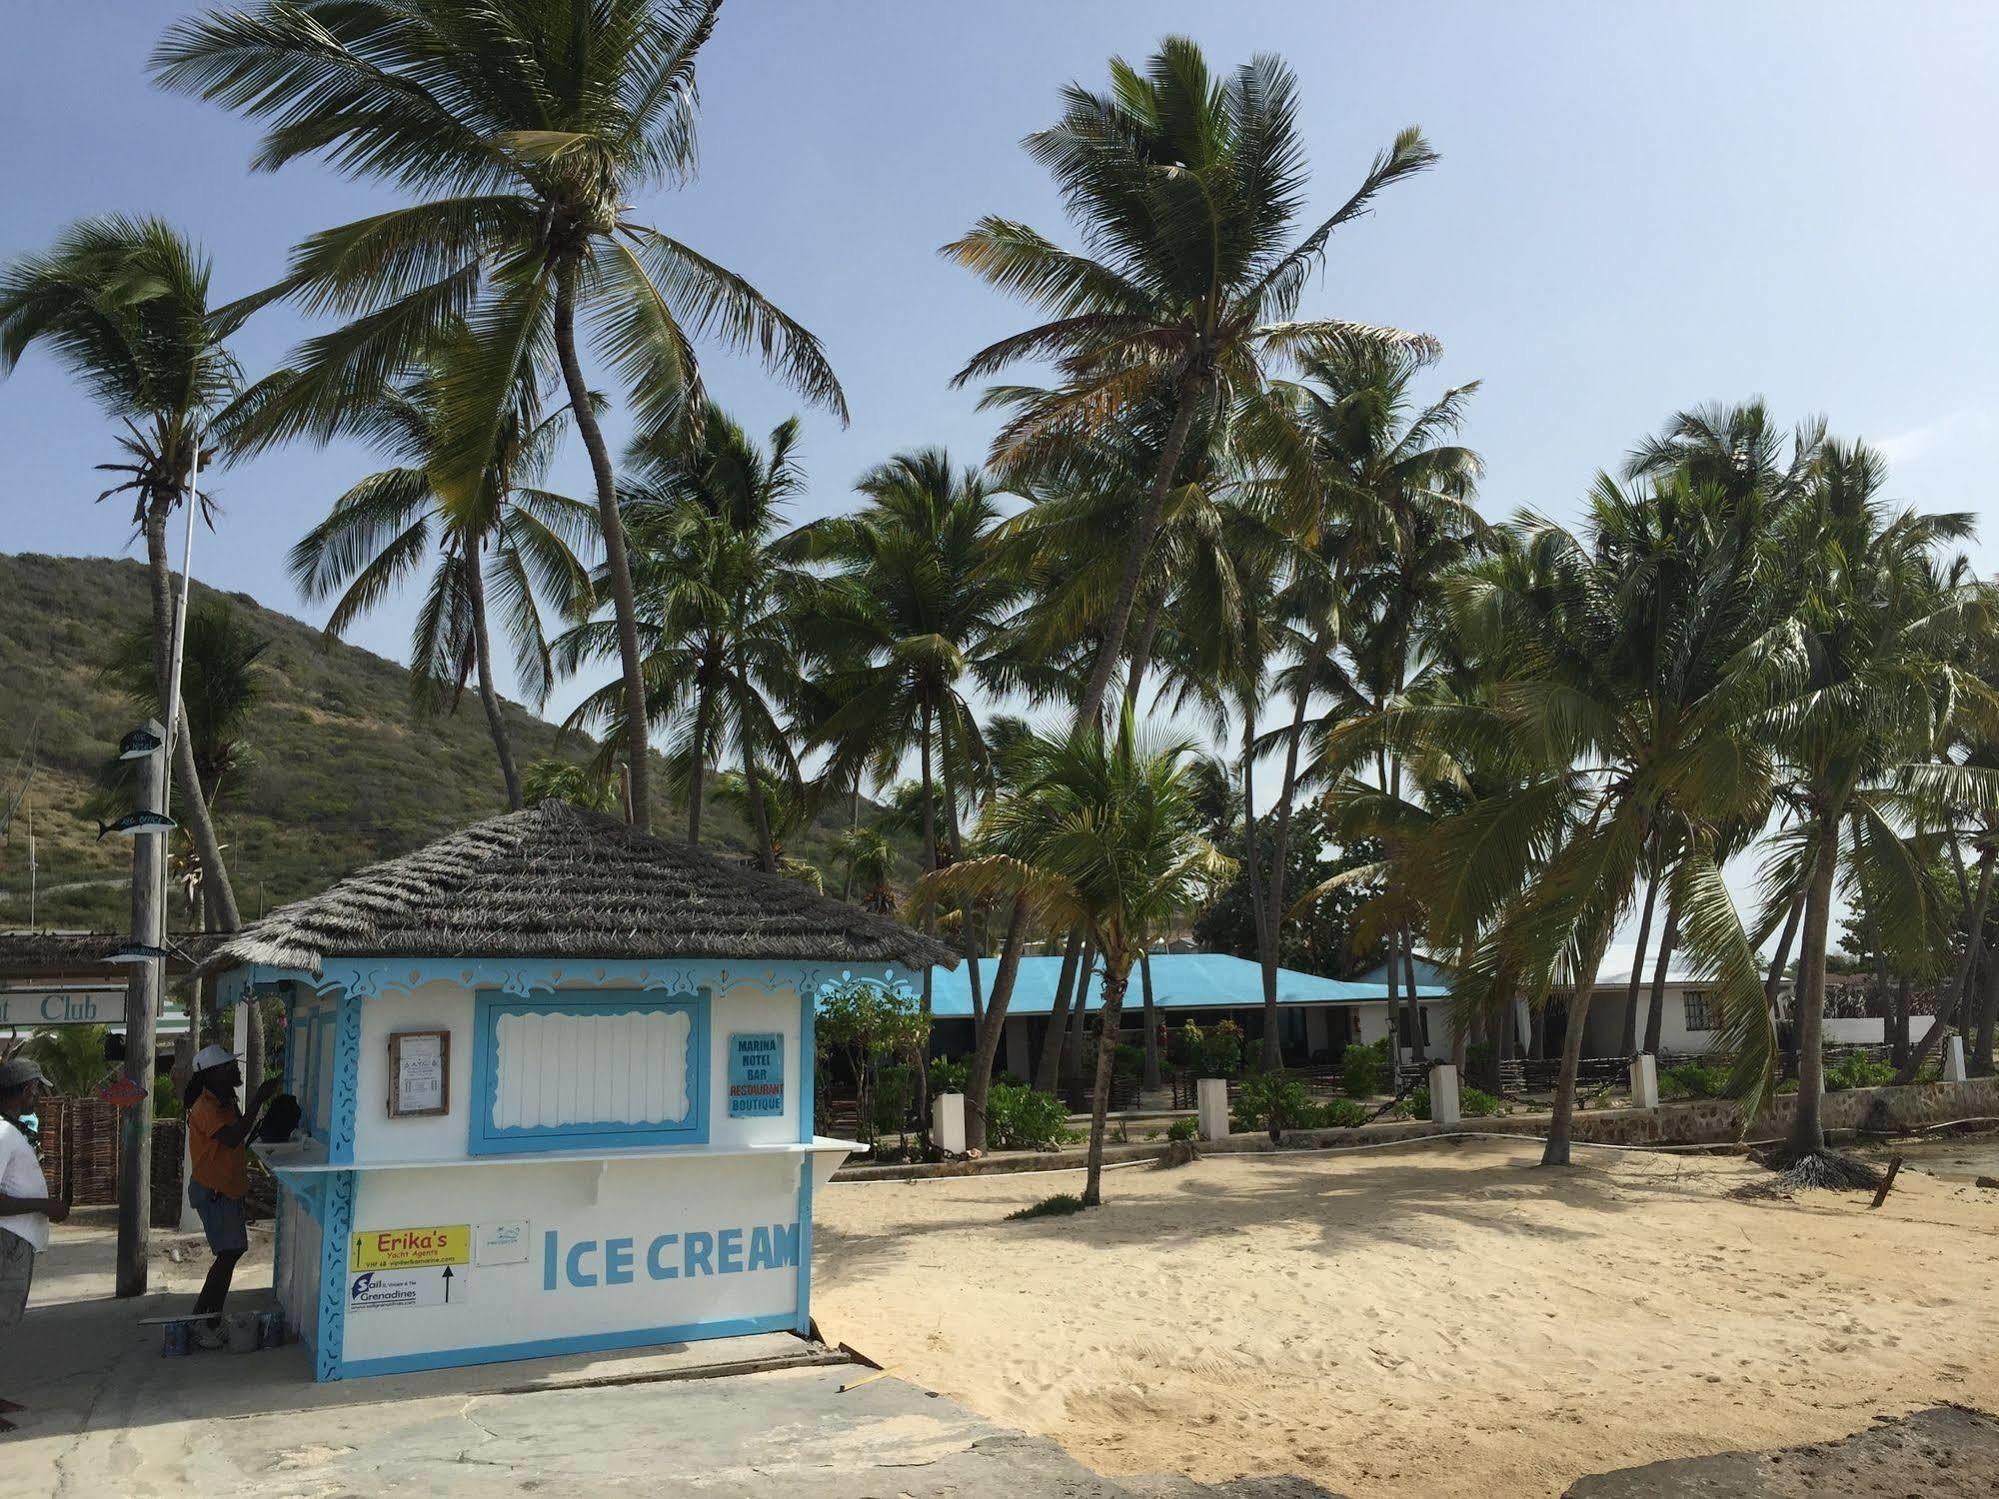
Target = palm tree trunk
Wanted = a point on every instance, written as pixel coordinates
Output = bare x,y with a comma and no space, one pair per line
1271,921
1089,708
1141,650
1561,1127
489,697
1048,1069
697,768
192,806
1079,1014
853,826
1394,1013
1808,1003
1900,1035
1114,987
1416,1040
968,936
753,786
979,1081
616,565
1151,1074
1988,1019
1655,1019
1628,1042
1272,1053
1948,1011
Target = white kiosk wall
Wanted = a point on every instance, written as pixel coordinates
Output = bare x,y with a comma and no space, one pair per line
563,1200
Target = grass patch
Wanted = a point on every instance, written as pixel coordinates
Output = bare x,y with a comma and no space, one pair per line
1061,1205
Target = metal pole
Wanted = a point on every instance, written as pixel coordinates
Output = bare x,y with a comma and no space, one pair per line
142,996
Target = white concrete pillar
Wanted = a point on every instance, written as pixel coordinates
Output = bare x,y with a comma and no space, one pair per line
1211,1098
1444,1094
1645,1081
947,1123
1953,1059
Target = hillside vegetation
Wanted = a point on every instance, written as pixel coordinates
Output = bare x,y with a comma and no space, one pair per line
343,769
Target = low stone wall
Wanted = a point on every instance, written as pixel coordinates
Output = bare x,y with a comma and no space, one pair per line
1707,1121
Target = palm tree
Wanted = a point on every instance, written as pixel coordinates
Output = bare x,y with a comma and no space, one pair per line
385,528
1104,835
123,304
1185,190
926,593
557,780
725,608
535,124
1886,681
1395,516
222,685
870,867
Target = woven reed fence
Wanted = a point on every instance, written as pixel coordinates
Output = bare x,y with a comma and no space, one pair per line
80,1149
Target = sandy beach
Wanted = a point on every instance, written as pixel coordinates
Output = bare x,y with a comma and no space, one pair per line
1424,1321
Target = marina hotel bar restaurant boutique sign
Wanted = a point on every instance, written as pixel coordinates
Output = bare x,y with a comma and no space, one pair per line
756,1075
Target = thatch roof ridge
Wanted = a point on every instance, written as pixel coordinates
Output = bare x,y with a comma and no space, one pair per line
557,881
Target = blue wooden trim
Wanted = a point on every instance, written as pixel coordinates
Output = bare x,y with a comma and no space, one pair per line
486,1138
808,1061
500,1353
346,1080
336,1223
522,977
802,1322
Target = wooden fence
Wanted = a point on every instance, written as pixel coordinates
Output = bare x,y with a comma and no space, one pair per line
81,1146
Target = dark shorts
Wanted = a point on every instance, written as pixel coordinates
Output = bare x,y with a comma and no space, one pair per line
17,1272
221,1219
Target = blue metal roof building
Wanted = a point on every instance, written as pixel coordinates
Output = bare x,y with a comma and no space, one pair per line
1180,981
1318,1017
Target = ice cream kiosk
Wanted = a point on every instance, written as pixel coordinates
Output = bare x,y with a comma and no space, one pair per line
556,1086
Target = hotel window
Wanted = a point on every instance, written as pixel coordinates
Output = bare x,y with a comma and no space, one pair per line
1699,1016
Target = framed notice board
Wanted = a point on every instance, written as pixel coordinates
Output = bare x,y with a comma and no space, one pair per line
419,1074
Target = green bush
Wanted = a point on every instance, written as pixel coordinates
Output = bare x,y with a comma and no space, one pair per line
1127,1060
1364,1070
1476,1103
947,1076
1339,1113
1416,1105
1270,1101
1221,1050
894,1100
1059,1206
1857,1071
1693,1080
1022,1119
1184,1129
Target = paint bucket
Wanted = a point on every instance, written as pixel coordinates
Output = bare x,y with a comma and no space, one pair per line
243,1332
174,1342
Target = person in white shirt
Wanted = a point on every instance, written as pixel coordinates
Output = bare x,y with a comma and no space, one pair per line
26,1209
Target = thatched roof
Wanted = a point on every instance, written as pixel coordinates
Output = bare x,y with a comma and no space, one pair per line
555,881
74,955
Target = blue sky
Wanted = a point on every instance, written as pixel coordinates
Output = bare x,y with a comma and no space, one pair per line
1638,209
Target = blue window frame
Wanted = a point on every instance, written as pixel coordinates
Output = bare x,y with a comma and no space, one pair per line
578,1131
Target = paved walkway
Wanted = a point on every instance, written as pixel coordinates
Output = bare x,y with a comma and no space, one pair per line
109,1416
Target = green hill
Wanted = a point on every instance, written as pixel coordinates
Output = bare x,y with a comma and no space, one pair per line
343,769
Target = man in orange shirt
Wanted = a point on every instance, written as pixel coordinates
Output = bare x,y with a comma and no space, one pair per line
218,1148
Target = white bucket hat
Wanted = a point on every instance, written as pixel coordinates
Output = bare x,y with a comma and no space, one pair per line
213,1056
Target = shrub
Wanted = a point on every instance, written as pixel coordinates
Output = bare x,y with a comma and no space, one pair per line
1183,1046
1476,1103
1272,1101
893,1101
1364,1069
1339,1113
1693,1080
1127,1060
1857,1071
1059,1206
1221,1050
1022,1119
1184,1129
1416,1105
947,1076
